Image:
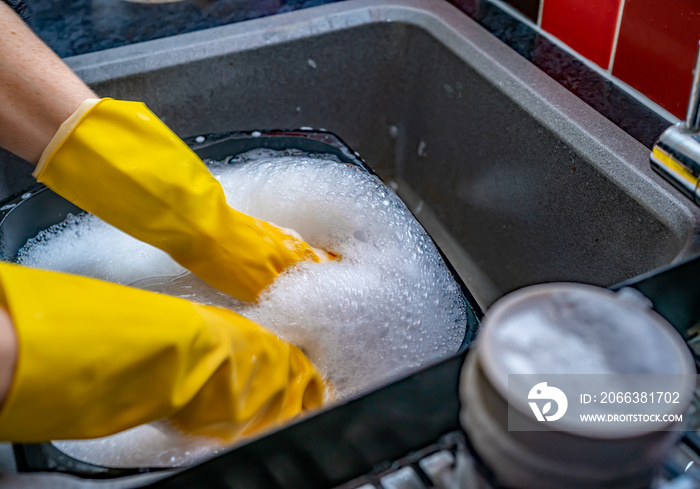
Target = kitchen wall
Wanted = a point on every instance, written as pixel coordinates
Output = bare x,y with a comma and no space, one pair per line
649,44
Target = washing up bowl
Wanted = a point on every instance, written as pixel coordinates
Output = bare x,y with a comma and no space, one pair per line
25,215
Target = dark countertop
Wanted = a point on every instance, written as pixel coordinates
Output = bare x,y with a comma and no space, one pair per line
77,27
73,27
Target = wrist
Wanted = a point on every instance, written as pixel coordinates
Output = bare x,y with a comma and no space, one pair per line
63,132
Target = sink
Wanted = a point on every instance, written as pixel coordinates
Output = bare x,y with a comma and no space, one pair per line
517,180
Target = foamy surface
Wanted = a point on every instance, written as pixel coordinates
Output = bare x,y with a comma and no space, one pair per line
579,330
388,307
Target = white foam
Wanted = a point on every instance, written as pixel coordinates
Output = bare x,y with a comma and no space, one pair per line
86,245
584,331
387,307
151,445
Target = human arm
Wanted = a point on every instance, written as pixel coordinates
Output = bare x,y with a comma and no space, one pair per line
118,161
37,90
38,94
96,358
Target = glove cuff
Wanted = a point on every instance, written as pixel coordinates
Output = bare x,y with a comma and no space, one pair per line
62,134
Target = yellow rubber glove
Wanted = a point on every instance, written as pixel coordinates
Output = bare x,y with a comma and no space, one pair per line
118,161
96,358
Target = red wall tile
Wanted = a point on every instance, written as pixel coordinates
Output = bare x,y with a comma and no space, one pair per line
656,50
587,26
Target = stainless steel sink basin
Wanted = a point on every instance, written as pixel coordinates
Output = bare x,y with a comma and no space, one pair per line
518,180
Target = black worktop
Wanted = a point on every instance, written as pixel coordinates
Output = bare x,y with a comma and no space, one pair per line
73,27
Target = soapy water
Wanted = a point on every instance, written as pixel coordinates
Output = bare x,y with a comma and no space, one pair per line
386,308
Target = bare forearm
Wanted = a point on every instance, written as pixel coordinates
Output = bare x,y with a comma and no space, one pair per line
8,353
37,90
